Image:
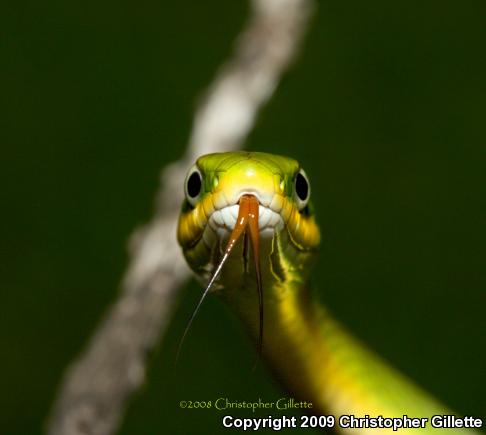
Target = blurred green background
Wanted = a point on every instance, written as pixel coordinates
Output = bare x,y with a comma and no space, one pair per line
385,108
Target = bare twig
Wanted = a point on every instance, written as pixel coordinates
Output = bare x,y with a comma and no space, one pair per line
97,386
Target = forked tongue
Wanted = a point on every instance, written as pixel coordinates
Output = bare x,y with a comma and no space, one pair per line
247,217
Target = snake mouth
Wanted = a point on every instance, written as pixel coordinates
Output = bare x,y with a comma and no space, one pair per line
224,220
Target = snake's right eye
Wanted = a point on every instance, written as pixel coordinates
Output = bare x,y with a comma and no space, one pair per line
193,185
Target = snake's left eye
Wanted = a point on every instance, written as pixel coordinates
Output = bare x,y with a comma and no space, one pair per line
302,189
193,185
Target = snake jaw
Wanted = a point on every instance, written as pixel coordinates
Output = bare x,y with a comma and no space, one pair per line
223,221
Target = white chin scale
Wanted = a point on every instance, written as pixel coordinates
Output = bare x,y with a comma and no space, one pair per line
224,220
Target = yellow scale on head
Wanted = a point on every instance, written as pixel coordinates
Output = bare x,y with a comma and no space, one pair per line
226,176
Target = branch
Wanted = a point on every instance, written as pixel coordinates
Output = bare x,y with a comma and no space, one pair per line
97,386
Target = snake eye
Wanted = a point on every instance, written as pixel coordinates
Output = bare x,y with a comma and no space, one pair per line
193,185
302,189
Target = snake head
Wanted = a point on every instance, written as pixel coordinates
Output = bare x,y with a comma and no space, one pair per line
213,189
241,200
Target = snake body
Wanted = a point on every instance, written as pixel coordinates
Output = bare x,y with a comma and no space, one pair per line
312,355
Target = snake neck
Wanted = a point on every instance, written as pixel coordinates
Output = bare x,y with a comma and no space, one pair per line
300,336
317,360
299,339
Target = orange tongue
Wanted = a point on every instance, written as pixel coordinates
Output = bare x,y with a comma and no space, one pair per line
247,216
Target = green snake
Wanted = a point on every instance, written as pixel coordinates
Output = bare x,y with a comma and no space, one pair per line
248,231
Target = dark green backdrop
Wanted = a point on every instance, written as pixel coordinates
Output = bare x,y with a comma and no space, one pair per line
386,111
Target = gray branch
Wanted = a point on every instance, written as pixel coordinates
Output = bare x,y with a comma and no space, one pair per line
97,386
